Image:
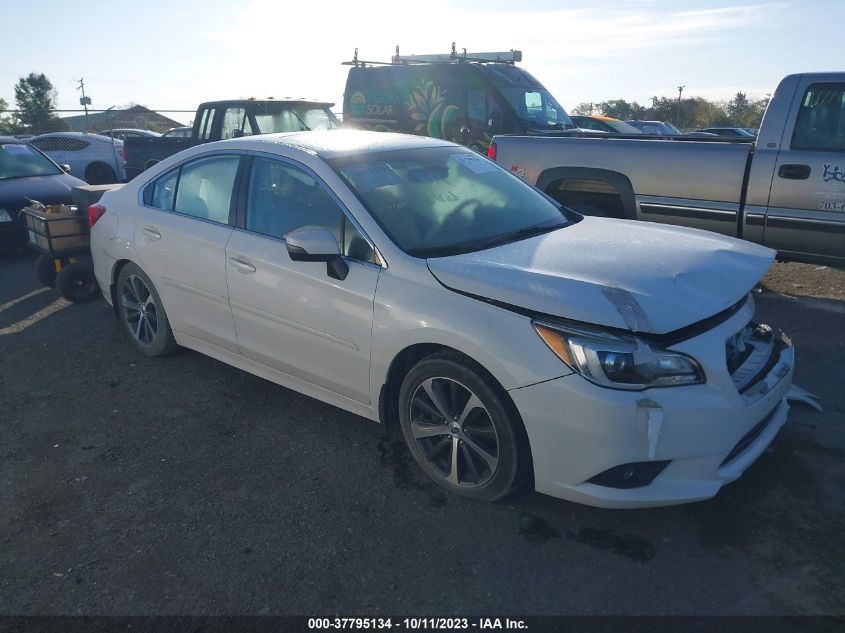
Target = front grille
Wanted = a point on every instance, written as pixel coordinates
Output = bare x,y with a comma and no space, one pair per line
751,355
749,437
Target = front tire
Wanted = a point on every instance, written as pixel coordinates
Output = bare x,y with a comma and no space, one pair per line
143,314
461,428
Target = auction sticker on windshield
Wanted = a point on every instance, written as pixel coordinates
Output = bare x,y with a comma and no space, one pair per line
476,163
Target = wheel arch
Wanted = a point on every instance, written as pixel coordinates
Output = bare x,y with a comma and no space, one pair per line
617,180
388,405
118,266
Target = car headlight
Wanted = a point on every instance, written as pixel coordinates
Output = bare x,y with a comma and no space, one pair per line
619,361
5,216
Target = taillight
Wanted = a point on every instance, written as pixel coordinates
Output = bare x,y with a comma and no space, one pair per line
95,212
491,151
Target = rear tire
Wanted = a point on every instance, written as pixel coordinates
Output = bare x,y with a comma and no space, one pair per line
143,314
100,174
461,428
77,284
45,271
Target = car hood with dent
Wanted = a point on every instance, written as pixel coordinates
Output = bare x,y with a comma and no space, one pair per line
638,276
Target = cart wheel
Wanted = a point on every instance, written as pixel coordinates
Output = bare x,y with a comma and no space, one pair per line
45,271
76,283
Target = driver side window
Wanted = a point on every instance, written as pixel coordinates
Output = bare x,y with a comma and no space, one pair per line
282,197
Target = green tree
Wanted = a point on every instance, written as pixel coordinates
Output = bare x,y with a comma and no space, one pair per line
621,109
36,100
7,126
737,108
583,109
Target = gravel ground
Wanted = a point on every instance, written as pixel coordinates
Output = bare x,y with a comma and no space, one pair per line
131,485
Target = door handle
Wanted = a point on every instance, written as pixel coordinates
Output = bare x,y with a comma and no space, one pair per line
241,265
152,233
794,172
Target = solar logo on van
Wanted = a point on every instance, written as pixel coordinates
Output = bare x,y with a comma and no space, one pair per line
372,103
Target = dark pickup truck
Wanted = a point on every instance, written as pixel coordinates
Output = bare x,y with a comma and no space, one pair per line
218,120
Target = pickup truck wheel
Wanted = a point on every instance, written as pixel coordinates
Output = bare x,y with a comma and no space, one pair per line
461,429
99,174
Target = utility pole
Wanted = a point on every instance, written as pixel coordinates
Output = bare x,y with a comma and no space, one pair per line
83,100
678,115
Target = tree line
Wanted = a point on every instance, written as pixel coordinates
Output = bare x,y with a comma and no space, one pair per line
689,113
35,98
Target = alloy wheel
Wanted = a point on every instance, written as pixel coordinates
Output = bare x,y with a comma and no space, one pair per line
454,432
139,310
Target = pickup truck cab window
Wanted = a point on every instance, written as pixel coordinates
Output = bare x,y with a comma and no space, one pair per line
206,124
820,125
235,123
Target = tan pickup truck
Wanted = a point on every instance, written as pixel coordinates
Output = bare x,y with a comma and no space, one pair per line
786,190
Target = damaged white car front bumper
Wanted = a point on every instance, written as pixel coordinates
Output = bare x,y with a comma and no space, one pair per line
660,446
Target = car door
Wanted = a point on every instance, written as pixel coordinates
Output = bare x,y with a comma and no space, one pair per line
180,237
290,315
806,211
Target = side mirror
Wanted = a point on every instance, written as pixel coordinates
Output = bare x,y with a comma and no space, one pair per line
65,168
316,244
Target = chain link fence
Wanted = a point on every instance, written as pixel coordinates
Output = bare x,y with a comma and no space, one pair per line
90,143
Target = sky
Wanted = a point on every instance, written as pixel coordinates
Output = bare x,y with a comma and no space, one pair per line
172,55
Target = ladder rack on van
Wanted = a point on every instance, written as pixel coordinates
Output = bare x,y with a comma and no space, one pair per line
502,57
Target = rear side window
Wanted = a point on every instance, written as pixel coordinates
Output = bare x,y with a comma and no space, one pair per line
205,188
60,144
161,193
820,125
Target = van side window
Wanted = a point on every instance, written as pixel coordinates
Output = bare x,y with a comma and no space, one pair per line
820,125
476,107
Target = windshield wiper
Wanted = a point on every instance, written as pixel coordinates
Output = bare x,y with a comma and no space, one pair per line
522,234
306,128
480,245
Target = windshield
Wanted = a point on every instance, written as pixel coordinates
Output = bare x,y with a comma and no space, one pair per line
536,107
285,117
438,201
623,128
20,161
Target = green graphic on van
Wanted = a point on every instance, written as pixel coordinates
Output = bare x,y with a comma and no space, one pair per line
430,113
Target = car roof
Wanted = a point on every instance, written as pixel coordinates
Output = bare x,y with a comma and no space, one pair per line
11,140
83,135
329,144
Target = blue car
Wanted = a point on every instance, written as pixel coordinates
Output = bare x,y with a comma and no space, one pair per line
26,173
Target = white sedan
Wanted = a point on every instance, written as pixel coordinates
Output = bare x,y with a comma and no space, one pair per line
413,282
